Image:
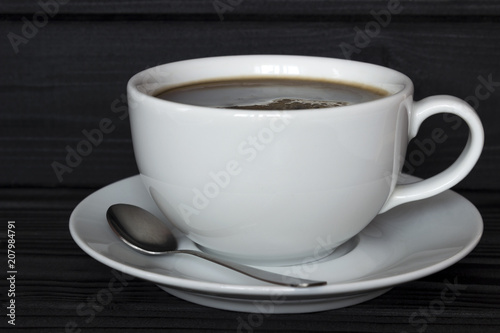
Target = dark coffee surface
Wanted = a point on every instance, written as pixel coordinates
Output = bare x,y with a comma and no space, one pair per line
271,94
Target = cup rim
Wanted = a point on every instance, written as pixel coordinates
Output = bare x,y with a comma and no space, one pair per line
138,79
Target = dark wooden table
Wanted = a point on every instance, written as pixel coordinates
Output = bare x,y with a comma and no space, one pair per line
57,285
63,69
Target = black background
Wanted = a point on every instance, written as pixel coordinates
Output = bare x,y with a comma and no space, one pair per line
68,71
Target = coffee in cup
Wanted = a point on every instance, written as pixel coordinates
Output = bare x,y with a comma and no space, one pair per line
261,93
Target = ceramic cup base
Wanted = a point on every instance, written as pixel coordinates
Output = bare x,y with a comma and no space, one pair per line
331,254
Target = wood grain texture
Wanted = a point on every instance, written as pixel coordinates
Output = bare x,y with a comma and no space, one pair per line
56,281
257,7
72,74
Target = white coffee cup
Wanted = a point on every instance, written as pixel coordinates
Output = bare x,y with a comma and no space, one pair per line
283,187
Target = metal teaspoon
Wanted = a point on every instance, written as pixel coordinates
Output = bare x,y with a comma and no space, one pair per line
147,234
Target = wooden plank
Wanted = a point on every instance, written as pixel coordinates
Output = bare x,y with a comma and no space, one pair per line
54,274
277,8
65,79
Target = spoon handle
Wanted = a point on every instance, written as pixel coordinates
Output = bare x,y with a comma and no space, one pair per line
256,273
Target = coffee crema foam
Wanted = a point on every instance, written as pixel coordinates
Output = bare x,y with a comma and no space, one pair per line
290,104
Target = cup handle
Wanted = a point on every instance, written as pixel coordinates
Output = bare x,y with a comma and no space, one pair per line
459,169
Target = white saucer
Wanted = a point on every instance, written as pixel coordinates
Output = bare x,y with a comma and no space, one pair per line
404,244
